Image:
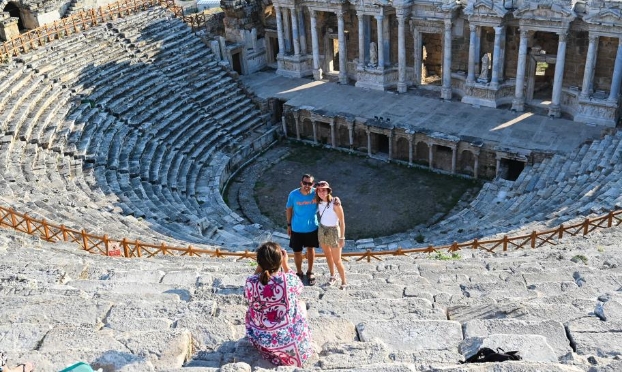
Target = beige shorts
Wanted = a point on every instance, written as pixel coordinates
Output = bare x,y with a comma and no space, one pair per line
328,236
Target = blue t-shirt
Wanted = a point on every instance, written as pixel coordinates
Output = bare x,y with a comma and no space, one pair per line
304,208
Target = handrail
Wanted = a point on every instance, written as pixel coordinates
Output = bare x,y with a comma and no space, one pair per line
85,19
135,248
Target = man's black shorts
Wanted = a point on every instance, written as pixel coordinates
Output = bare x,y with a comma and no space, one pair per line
300,240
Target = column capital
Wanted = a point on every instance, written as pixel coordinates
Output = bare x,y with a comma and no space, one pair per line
498,29
379,17
339,13
277,8
312,13
524,33
563,35
447,24
472,27
593,38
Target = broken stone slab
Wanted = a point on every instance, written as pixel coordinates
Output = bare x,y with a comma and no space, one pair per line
553,331
510,366
210,333
331,329
21,336
336,355
464,313
163,348
136,276
29,310
609,311
412,335
592,336
358,311
134,289
532,348
62,338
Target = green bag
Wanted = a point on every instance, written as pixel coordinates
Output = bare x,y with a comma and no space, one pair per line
78,367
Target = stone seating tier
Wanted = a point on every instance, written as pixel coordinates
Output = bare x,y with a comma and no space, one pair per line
401,314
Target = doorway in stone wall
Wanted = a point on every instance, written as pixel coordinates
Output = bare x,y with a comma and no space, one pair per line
510,169
236,59
14,11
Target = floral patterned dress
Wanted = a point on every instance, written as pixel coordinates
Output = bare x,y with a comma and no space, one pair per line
275,323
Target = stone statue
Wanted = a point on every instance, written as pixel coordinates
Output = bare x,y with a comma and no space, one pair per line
483,76
373,54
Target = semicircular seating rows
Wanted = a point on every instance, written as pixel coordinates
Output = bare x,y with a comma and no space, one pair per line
560,307
131,129
562,189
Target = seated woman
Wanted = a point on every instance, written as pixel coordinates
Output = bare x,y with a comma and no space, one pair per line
275,321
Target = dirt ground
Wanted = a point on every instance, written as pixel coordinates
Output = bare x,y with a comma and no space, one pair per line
379,198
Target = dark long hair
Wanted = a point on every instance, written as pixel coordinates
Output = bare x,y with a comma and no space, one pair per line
269,258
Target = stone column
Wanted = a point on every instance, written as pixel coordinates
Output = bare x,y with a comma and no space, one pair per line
478,45
418,57
616,80
361,64
279,30
476,166
555,108
401,54
590,63
343,76
295,36
332,133
502,55
454,158
368,142
430,155
518,103
297,124
498,166
390,145
287,31
314,132
379,23
471,68
496,58
351,133
302,31
284,124
410,149
315,45
446,88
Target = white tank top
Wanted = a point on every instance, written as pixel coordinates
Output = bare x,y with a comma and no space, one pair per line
327,213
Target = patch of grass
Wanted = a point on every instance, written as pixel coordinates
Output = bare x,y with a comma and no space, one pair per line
601,249
578,258
445,256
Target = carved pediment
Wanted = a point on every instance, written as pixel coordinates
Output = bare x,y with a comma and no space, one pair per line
487,8
546,11
609,16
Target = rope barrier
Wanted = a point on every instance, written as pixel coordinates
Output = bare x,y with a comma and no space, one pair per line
9,218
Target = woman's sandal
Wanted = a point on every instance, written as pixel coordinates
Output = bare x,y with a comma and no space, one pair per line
311,277
26,367
343,287
332,280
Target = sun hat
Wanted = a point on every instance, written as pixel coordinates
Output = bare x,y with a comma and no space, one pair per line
323,185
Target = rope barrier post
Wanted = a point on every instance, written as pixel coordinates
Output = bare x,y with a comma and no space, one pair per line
190,253
126,251
46,230
106,245
85,242
13,218
560,234
63,230
533,237
28,224
163,248
138,252
586,225
454,247
475,244
610,219
505,243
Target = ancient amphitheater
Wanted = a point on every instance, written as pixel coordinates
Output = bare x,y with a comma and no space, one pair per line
131,128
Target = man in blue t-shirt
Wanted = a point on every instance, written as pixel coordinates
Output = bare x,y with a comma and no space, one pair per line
302,225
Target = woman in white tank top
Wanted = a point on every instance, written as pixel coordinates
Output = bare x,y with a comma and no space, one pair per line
331,232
